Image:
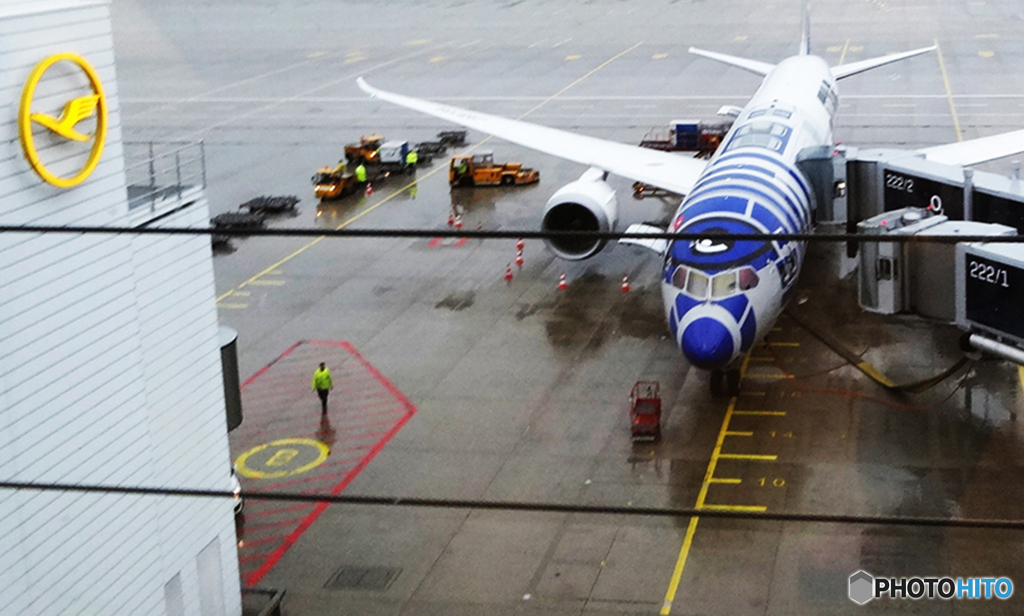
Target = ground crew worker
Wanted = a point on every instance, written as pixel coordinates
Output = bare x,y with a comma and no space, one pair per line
361,173
322,385
411,159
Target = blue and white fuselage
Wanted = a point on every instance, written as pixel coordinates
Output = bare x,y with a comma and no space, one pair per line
722,295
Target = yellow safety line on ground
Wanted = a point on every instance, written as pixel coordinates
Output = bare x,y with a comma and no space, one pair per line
782,344
1020,377
709,480
401,190
949,92
842,56
748,456
756,508
684,552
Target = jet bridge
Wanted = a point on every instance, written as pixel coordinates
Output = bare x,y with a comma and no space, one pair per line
979,286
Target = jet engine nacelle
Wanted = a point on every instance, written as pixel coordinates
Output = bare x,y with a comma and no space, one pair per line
588,204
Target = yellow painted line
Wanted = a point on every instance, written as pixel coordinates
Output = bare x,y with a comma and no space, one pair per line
756,456
782,344
986,36
766,413
233,306
684,551
418,42
574,56
846,46
743,366
242,293
949,92
673,586
986,54
740,38
401,190
437,59
659,56
856,48
776,329
267,283
756,508
729,480
731,433
769,377
1020,377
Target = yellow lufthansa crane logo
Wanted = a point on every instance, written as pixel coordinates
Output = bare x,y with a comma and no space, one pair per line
75,111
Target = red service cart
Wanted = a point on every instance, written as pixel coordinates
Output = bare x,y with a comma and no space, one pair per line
645,411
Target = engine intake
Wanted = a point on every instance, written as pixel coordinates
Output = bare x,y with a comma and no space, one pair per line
588,204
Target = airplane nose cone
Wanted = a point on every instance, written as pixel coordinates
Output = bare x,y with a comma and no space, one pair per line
707,343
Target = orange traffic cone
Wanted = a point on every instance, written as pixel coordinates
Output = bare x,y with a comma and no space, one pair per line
458,221
508,273
369,189
519,258
625,284
562,284
520,244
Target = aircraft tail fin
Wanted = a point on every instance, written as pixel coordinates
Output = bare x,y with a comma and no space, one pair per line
805,34
845,70
754,66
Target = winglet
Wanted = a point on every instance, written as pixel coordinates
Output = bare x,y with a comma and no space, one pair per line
845,70
759,68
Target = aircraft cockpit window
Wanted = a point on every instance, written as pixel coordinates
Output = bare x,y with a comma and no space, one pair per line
782,113
771,135
748,278
757,139
757,113
723,285
697,284
679,277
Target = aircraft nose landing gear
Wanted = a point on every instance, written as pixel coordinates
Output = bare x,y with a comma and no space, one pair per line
725,382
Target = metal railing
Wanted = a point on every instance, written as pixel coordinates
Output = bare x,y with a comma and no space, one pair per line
159,172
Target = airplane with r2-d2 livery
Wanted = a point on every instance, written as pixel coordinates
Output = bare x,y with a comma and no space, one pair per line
721,296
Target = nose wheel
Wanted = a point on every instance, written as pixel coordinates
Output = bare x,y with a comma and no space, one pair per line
725,382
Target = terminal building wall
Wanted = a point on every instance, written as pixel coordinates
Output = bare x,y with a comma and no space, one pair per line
109,364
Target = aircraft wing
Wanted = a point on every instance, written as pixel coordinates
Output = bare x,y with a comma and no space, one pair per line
664,170
976,151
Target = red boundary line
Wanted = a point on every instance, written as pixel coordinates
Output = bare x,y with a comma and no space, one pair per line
264,369
254,578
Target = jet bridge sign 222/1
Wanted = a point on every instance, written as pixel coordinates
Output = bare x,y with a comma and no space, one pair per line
993,294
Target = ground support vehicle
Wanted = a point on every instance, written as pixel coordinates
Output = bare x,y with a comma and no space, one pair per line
452,138
688,136
270,205
427,150
480,170
392,156
645,411
366,151
333,182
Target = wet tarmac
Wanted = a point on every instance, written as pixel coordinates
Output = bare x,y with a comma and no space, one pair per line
518,389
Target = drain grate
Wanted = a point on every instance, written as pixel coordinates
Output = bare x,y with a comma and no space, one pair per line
363,578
